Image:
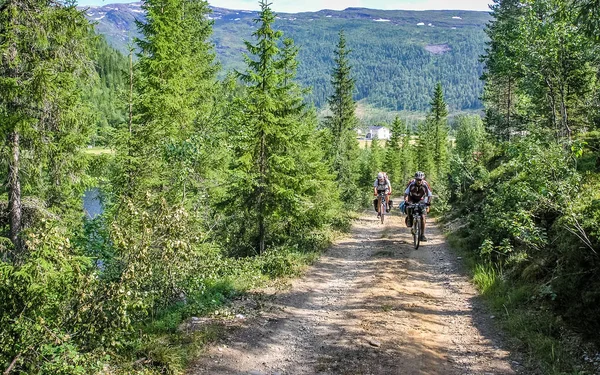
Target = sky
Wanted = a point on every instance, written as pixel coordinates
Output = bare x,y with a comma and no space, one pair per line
294,6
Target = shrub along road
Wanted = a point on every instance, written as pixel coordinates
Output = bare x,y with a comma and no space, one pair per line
371,305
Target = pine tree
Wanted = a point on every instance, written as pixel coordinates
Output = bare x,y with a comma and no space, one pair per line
173,81
425,148
377,155
407,156
277,169
161,155
437,118
343,150
393,154
44,58
504,68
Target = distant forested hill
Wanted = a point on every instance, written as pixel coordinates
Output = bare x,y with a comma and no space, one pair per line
397,56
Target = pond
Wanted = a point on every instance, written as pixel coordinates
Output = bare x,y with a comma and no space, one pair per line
92,205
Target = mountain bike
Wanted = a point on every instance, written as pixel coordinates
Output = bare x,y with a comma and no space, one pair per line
418,210
382,205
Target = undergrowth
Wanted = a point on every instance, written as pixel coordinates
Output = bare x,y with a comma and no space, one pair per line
520,311
161,345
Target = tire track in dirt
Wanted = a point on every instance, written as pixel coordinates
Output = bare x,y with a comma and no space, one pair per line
371,305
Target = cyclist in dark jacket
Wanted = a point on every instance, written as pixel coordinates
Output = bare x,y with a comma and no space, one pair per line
417,191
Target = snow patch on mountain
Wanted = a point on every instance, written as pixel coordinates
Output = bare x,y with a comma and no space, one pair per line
437,49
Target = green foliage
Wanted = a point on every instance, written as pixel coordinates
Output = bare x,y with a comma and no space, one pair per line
110,294
376,157
530,218
282,262
432,149
391,65
39,305
407,157
531,202
468,158
277,179
43,69
434,136
107,94
393,153
541,73
341,143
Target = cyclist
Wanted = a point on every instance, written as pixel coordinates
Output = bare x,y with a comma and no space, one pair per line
418,190
382,183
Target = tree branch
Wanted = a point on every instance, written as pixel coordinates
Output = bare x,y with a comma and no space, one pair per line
12,364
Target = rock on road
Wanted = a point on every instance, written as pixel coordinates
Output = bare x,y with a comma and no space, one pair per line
374,305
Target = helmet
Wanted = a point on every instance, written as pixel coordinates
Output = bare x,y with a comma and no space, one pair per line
380,175
419,175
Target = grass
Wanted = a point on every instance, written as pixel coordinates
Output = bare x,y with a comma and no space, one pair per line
532,328
164,348
161,346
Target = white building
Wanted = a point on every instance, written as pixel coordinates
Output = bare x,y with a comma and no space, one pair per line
379,132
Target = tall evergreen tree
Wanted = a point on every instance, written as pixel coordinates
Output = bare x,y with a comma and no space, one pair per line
43,49
560,69
424,157
437,118
174,80
504,68
276,169
377,156
343,150
161,157
407,158
393,153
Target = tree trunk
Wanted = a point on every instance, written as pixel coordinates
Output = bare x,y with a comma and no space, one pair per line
553,106
508,106
564,113
261,192
14,193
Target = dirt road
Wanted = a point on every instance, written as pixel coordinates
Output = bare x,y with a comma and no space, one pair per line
371,305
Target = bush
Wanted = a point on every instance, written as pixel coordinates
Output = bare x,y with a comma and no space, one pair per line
40,306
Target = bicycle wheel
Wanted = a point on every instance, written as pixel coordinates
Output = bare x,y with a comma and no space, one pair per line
417,232
382,210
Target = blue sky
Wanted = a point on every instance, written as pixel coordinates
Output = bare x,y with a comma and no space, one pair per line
293,6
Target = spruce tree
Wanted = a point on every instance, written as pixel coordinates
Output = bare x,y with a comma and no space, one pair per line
424,158
407,157
44,57
393,153
343,150
174,81
156,215
377,156
437,118
276,169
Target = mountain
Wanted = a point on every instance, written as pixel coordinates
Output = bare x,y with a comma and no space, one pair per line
397,55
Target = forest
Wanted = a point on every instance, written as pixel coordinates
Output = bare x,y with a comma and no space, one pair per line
212,184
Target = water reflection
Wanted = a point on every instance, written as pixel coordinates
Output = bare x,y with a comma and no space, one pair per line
91,203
